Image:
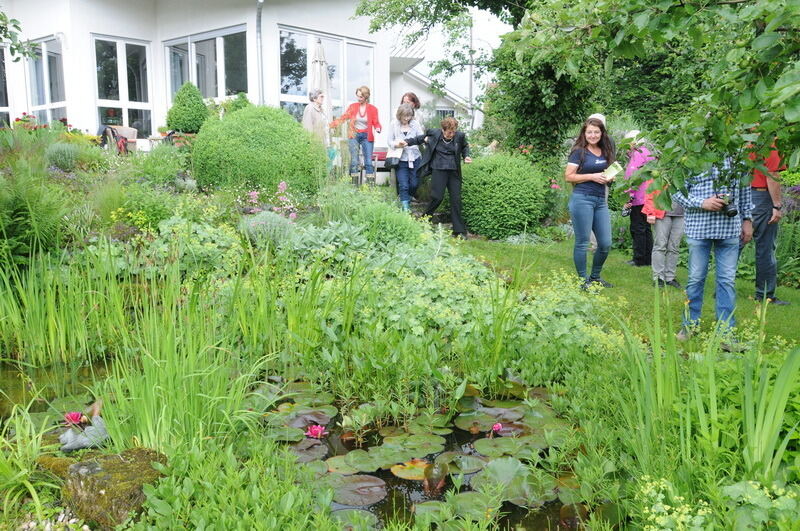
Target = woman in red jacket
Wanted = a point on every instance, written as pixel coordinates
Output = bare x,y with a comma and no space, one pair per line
362,120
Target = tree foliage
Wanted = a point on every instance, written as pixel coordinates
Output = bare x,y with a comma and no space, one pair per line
751,94
9,36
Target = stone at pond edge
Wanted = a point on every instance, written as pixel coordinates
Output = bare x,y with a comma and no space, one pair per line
58,466
105,489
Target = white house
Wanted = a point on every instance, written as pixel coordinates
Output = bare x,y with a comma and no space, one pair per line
121,61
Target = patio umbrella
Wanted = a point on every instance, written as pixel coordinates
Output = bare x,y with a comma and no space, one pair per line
318,76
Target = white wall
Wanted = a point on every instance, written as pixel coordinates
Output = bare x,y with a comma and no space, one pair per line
156,21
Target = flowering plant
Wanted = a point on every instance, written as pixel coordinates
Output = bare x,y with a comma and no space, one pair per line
286,205
316,431
73,417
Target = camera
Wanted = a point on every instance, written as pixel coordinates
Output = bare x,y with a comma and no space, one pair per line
728,208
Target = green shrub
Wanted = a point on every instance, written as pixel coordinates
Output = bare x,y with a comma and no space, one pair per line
31,214
237,103
266,228
503,195
92,158
161,165
62,156
188,112
258,147
142,206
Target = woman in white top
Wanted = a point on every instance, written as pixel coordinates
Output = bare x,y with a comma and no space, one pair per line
314,119
403,127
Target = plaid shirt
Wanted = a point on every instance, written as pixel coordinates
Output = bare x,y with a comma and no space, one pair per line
706,225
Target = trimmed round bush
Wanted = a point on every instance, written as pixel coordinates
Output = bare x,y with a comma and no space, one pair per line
258,147
188,112
503,195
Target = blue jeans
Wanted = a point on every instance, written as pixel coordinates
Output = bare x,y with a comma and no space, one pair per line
590,214
406,180
726,255
360,140
765,237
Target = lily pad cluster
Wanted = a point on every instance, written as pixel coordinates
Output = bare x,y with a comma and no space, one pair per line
289,410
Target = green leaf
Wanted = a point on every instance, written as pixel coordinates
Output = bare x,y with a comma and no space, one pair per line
765,40
641,20
792,110
749,116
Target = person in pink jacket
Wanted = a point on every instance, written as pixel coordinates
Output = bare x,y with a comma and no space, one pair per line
640,230
362,124
667,241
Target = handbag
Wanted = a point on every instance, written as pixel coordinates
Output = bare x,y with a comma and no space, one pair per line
393,158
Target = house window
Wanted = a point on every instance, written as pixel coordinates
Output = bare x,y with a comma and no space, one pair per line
123,94
216,62
350,65
441,114
5,116
46,73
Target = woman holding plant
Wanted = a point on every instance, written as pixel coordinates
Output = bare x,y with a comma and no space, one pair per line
589,168
405,126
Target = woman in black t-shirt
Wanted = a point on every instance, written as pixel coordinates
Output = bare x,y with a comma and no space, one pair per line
591,154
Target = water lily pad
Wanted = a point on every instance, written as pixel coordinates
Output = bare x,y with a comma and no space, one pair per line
474,422
76,402
309,450
392,431
432,509
569,490
285,434
299,387
386,457
412,470
355,519
305,419
518,485
503,403
357,490
316,468
472,506
313,398
503,414
499,446
361,461
513,429
289,408
338,465
422,429
468,403
461,463
263,397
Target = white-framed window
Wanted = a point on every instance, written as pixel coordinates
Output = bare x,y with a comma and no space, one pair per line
219,58
122,83
46,80
5,113
441,114
350,65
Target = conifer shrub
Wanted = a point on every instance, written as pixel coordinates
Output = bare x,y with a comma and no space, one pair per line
188,112
257,148
503,194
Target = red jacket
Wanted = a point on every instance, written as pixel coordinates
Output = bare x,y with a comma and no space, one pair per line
649,208
350,115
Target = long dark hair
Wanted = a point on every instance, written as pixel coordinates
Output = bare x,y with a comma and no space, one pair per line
604,143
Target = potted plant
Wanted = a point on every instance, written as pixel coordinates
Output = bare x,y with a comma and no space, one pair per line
163,130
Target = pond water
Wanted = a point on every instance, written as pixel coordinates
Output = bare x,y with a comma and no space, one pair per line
19,387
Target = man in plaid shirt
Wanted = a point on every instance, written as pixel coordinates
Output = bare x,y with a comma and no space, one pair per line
708,229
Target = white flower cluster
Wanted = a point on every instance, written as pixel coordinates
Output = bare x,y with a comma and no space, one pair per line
662,509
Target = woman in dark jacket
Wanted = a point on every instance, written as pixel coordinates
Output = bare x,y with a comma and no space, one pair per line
446,147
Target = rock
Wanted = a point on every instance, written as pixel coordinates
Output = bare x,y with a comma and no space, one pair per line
107,488
57,466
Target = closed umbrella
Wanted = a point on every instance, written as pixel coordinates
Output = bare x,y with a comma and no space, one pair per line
318,76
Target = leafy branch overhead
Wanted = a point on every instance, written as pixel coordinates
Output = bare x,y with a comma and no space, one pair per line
9,35
751,94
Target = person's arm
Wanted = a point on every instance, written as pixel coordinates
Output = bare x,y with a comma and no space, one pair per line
344,117
465,151
746,211
376,123
774,188
392,139
415,140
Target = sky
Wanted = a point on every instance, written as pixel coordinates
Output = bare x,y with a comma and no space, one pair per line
486,36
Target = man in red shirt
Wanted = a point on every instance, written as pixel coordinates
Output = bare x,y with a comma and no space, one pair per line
767,206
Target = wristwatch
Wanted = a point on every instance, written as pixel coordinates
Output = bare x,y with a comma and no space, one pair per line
777,207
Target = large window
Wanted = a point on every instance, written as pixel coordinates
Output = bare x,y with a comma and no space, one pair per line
349,65
5,117
46,74
123,94
215,61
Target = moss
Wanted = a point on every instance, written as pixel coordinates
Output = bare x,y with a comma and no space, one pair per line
107,488
58,466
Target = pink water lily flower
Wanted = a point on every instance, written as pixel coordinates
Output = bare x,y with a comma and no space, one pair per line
316,431
73,417
497,427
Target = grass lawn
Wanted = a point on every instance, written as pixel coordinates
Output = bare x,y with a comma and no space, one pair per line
533,263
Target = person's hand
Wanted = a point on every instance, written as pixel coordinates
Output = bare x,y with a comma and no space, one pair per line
776,216
402,143
468,160
378,130
713,204
747,230
629,204
599,178
651,220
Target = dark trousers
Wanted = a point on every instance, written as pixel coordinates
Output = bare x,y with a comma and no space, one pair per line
765,239
642,237
441,179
